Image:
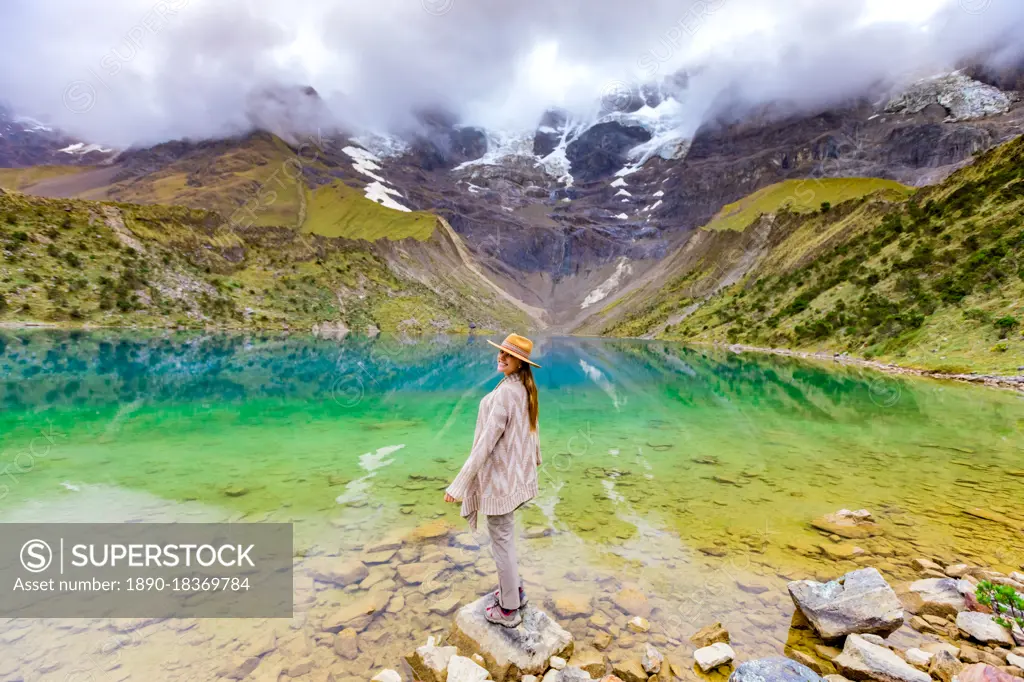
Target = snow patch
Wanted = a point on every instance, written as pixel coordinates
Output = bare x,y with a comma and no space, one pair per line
364,162
380,194
31,125
623,193
659,193
619,183
622,269
622,216
81,148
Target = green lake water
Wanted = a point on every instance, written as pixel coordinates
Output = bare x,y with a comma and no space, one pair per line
689,474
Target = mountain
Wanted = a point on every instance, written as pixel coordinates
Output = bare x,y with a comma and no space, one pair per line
580,220
105,263
931,278
26,142
567,214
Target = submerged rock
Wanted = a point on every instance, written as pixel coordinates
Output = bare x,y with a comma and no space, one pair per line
629,670
862,660
589,660
510,652
652,660
860,601
773,669
336,571
709,634
854,525
566,674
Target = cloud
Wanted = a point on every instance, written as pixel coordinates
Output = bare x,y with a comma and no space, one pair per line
141,71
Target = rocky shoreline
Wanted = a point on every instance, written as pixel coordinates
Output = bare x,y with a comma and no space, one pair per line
1015,383
846,618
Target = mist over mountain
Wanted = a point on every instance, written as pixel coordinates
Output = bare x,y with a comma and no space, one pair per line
129,72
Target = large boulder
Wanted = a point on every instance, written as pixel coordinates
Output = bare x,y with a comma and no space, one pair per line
773,669
935,597
863,660
860,601
510,652
983,628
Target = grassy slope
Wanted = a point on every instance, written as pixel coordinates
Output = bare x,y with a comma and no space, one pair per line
800,196
74,261
254,181
337,210
20,178
933,281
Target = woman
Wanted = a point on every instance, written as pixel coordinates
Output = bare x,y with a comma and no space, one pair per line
500,474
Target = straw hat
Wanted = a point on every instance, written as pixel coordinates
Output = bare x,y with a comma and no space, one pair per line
518,346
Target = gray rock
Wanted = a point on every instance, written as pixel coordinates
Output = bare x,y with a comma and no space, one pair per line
773,669
936,597
566,674
462,669
710,657
981,627
524,649
860,601
651,660
429,663
862,660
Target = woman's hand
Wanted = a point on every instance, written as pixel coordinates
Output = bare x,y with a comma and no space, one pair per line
449,498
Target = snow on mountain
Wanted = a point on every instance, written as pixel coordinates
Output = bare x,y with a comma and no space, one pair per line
963,97
80,148
365,163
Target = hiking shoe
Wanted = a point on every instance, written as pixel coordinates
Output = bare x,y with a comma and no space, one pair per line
522,596
499,616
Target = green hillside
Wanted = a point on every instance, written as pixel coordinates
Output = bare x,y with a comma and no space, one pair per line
801,196
934,280
337,210
78,262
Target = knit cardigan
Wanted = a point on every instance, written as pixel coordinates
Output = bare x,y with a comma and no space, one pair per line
501,471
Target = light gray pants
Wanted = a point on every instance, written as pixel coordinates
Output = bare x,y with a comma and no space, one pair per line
502,529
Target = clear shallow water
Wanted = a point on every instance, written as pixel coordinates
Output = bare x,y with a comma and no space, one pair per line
688,473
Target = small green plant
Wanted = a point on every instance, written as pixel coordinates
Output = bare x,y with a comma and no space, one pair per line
1005,325
826,207
1006,604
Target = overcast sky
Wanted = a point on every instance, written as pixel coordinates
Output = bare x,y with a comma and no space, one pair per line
141,71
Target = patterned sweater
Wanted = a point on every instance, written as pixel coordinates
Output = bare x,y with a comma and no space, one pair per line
501,471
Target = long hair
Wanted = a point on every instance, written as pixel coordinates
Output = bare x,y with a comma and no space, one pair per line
532,405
